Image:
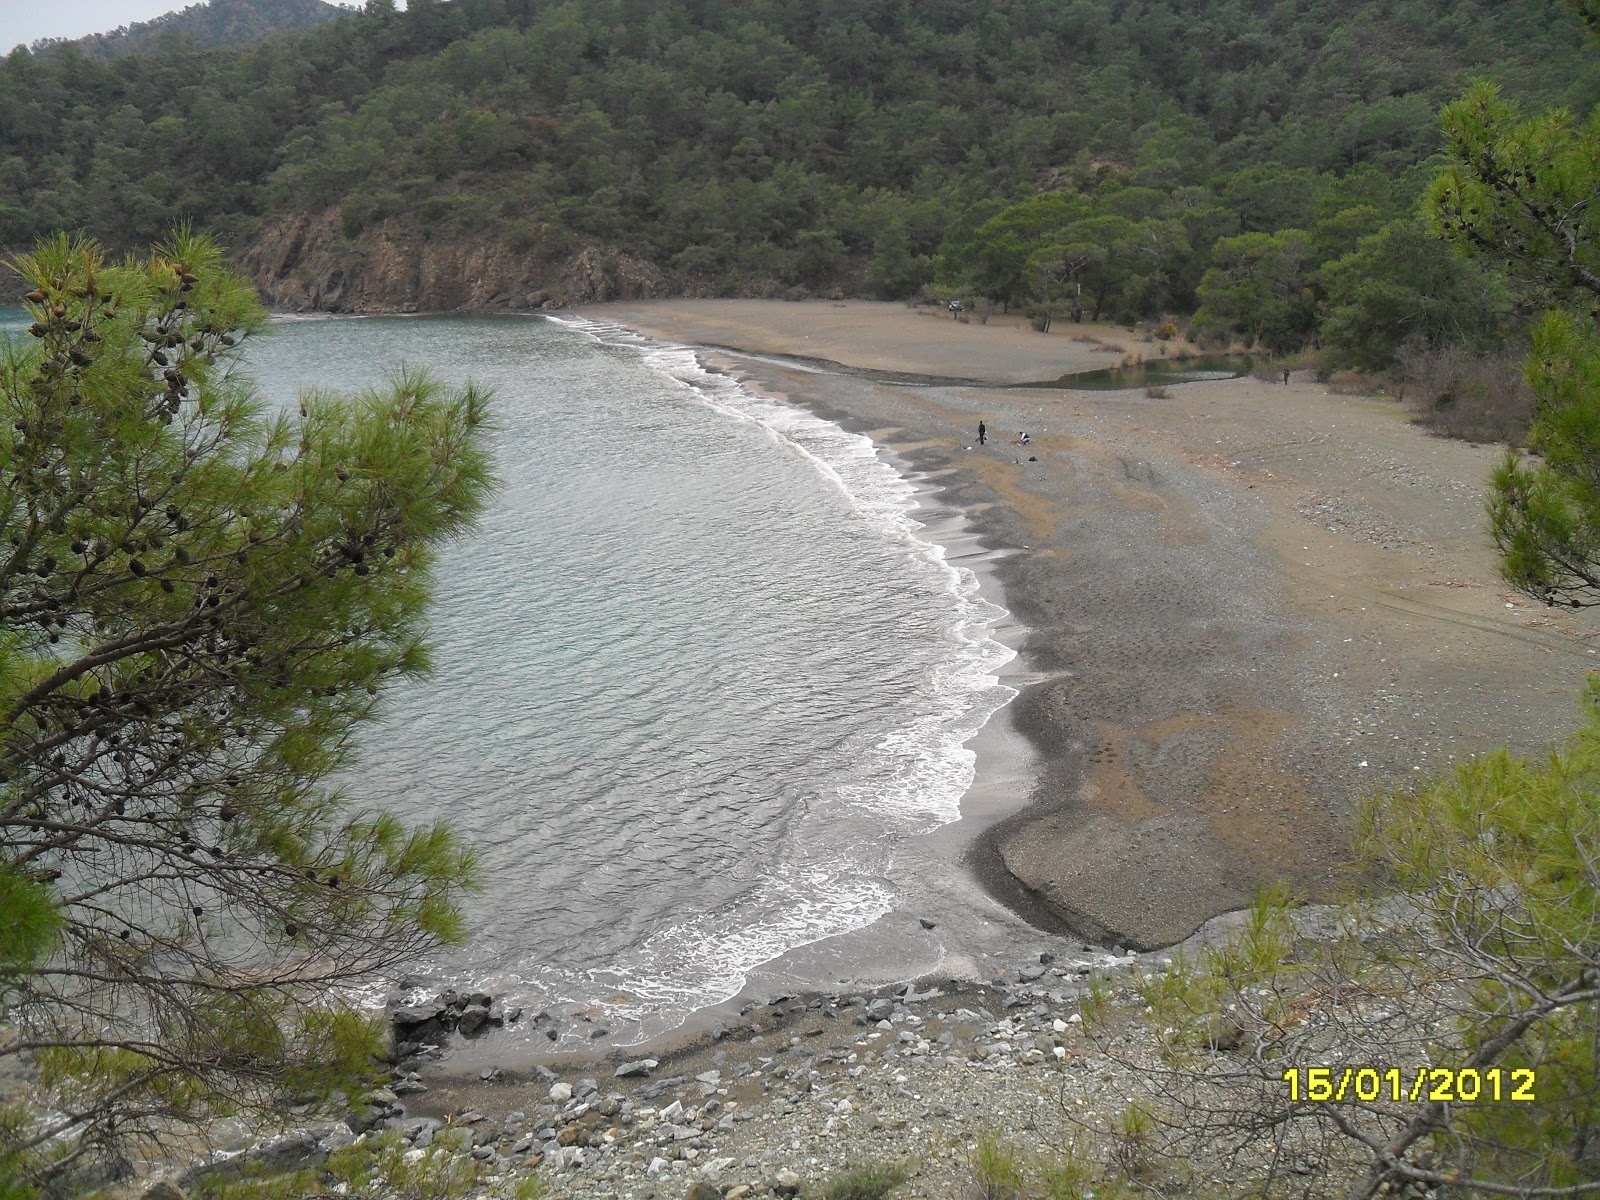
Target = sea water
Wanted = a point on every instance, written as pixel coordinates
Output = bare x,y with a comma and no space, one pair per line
697,672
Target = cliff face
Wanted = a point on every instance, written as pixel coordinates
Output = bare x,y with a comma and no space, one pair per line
305,263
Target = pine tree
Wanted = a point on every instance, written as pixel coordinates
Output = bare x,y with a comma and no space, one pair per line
198,600
1523,190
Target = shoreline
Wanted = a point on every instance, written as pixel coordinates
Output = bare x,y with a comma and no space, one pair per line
950,931
1179,721
1247,604
1245,607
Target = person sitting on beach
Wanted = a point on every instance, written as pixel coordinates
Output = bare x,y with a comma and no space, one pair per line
1020,440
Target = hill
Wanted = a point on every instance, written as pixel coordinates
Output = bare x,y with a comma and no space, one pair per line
213,25
504,153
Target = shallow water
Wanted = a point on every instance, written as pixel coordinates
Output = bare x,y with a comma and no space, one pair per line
1155,372
696,674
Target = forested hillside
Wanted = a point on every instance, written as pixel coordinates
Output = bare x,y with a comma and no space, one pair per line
213,24
753,146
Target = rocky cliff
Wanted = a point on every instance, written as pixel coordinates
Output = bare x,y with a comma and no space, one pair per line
305,263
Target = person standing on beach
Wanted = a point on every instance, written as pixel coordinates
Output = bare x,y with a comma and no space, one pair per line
983,432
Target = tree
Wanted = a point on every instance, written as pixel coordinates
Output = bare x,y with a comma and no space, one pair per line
1259,290
1524,190
198,600
1395,287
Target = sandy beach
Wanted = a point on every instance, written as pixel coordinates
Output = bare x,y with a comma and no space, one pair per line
1246,604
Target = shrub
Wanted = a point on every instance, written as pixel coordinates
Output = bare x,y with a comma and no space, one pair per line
864,1181
996,1170
1456,393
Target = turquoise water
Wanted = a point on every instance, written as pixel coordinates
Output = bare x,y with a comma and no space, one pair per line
697,676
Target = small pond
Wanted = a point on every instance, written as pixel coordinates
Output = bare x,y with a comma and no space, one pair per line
1155,372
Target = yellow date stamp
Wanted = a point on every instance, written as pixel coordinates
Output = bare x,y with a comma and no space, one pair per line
1451,1085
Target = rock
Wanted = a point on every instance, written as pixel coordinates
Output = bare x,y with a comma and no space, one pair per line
1046,958
561,1093
785,1183
419,1014
417,1130
418,1024
472,1019
569,1135
491,1075
637,1069
338,1138
925,923
164,1189
738,1193
1029,974
704,1190
408,1087
672,1112
291,1152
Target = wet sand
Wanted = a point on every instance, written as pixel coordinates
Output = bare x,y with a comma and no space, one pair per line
1246,604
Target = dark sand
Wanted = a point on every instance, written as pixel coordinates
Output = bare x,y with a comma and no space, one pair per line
1246,605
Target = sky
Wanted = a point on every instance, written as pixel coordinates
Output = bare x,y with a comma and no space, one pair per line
26,21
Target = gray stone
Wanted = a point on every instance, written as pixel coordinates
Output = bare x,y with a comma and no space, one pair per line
163,1189
636,1069
338,1138
419,1014
473,1018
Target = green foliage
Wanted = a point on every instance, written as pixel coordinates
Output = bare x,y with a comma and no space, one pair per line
1260,291
1544,512
864,1181
1504,853
740,146
32,924
996,1168
197,601
1396,287
1522,191
383,1163
1482,956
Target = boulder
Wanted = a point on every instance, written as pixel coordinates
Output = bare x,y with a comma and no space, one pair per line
472,1019
637,1069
